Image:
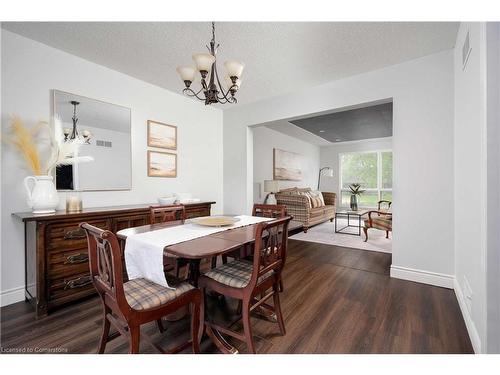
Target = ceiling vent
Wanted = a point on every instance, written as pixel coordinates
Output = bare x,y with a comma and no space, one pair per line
466,48
103,143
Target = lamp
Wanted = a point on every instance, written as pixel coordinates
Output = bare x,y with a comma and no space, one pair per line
325,171
270,187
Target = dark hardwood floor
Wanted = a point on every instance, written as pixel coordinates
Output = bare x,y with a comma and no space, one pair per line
336,300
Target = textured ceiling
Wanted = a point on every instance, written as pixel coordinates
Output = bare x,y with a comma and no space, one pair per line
280,57
353,125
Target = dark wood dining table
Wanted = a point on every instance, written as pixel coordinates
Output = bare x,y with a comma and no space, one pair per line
195,250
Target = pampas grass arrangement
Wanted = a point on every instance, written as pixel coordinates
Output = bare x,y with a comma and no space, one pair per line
24,140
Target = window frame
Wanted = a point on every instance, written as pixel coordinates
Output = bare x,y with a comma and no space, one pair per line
379,188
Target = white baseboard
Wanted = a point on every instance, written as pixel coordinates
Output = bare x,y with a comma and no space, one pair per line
10,296
420,276
469,323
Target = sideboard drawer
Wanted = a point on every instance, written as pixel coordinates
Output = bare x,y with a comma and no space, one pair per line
197,213
67,263
66,288
69,236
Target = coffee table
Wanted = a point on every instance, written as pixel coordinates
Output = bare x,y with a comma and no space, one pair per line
357,223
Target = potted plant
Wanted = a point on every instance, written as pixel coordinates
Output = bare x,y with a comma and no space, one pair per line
355,191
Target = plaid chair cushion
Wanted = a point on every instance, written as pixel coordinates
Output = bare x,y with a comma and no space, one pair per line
142,294
382,223
236,273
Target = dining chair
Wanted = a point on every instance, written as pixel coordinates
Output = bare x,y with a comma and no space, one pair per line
164,214
272,211
260,210
169,214
269,210
252,282
129,305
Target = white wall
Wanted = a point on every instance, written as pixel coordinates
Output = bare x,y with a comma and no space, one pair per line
493,187
422,92
477,183
470,177
264,140
30,70
330,158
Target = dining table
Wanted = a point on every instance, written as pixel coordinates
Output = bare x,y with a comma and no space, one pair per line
193,251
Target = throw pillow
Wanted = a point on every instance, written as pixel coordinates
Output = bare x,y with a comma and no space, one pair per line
318,195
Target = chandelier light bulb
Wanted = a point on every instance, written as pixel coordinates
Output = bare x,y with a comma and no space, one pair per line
203,61
234,68
187,73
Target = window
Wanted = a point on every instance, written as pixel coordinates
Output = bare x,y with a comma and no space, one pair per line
372,170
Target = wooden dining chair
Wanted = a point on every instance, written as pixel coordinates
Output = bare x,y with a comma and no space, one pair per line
164,214
261,210
169,214
252,281
272,211
129,305
276,211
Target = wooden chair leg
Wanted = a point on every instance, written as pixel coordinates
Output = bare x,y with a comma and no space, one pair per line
386,234
104,334
214,262
277,310
281,289
365,229
159,323
247,326
195,325
135,333
240,307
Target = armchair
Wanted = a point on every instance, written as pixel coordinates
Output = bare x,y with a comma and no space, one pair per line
380,219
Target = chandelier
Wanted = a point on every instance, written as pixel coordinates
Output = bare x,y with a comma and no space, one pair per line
211,88
72,134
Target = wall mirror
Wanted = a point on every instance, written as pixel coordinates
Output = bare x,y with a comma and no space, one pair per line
104,129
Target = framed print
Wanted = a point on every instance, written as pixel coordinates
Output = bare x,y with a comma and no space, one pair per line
286,165
162,164
162,135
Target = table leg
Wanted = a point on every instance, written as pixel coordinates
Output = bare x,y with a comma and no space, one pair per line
220,342
194,272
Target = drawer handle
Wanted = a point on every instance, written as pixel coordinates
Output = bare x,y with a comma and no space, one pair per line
79,282
76,234
77,258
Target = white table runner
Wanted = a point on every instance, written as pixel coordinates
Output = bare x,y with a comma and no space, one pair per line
144,251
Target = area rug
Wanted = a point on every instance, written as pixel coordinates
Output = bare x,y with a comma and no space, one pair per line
325,233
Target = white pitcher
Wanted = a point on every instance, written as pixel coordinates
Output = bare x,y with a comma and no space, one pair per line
42,197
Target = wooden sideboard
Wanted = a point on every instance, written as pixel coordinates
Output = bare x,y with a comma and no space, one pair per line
56,258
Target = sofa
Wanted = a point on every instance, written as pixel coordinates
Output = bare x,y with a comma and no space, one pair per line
301,204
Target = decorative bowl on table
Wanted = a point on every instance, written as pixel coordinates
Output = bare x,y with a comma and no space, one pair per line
215,221
165,201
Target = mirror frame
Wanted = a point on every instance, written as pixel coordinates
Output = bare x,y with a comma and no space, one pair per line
53,113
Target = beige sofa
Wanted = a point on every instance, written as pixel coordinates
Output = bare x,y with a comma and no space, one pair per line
299,206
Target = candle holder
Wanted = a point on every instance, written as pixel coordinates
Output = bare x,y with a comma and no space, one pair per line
74,202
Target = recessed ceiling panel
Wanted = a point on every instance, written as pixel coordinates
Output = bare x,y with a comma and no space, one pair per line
352,125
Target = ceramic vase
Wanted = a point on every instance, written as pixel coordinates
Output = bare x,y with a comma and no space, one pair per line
41,193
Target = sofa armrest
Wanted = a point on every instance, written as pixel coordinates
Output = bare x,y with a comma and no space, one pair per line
329,198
